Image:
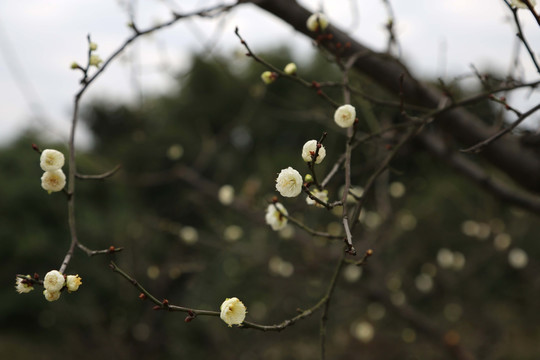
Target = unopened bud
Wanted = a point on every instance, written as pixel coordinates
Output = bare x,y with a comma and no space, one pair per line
268,77
92,46
308,178
290,69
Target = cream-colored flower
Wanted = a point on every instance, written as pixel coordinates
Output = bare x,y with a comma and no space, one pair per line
274,216
289,182
95,60
51,295
22,287
73,282
290,69
520,4
268,77
317,22
51,160
53,181
321,195
345,116
54,281
233,311
226,194
310,148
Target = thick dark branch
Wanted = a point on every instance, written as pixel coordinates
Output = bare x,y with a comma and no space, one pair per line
520,163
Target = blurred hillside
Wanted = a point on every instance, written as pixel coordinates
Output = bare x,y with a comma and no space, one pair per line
451,264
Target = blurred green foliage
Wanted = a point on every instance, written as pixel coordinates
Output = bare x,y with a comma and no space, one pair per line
227,127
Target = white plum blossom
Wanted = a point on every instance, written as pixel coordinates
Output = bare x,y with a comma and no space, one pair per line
290,69
73,282
310,148
345,116
22,287
520,4
321,195
317,22
233,311
289,182
51,295
226,194
95,60
274,216
53,180
54,281
51,160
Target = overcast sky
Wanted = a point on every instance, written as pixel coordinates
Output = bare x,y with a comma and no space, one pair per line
40,39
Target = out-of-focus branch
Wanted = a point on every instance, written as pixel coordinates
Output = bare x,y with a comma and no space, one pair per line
520,34
520,163
482,145
422,323
437,147
99,176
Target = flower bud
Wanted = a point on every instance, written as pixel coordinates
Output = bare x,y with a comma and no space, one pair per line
308,178
290,69
268,77
73,282
317,22
92,46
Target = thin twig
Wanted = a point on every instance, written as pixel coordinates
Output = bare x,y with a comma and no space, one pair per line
281,73
165,305
99,176
520,34
481,145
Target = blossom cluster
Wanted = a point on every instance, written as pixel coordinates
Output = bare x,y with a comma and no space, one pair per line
51,162
54,282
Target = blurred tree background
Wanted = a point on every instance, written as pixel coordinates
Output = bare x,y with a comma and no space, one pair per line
451,264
